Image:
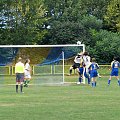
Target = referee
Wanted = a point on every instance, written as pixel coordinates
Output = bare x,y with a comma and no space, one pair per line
19,71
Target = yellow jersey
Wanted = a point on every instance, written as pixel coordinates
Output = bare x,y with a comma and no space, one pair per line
19,67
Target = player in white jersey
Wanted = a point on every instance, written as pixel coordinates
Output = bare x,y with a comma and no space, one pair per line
27,76
86,60
76,64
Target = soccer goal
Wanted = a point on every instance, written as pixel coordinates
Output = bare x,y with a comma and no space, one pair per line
50,63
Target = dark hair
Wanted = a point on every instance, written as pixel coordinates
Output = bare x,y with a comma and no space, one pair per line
86,53
115,58
26,61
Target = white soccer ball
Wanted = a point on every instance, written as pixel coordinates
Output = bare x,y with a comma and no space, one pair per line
78,43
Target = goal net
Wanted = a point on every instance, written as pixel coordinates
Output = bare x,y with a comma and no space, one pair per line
50,63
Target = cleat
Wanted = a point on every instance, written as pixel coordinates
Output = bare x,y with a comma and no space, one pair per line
78,83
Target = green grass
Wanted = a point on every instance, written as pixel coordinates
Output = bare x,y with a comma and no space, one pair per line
64,102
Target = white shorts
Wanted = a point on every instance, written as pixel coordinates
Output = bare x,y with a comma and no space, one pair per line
28,76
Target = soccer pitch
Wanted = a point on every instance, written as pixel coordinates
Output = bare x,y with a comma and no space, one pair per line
63,102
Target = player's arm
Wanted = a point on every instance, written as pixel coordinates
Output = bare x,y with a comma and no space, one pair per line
97,66
27,67
111,65
89,66
119,65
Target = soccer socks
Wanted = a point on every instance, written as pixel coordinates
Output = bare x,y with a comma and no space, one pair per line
119,82
88,77
80,79
21,88
26,83
70,71
109,82
16,88
88,80
94,84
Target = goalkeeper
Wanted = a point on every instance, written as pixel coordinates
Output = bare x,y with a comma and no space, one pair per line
76,63
80,71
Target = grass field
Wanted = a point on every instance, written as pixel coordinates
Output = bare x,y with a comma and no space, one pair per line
63,102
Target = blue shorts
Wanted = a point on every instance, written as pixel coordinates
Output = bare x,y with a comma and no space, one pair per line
114,73
93,73
19,77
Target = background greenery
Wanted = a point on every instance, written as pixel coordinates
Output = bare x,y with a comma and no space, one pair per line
94,23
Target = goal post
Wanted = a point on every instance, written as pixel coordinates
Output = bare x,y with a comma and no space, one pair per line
48,61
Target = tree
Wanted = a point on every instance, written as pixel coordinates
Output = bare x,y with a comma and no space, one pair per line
112,17
23,20
66,33
106,46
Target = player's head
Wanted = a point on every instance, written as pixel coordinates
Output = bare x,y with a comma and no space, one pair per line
93,60
86,53
19,59
27,61
115,58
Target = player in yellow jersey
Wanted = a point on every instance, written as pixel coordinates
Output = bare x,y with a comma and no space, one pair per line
19,71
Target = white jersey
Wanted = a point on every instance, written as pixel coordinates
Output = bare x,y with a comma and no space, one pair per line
86,60
77,59
27,70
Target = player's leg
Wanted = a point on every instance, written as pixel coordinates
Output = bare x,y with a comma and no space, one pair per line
109,80
95,77
16,87
87,75
99,76
117,77
70,70
17,81
21,82
92,78
93,81
27,80
80,72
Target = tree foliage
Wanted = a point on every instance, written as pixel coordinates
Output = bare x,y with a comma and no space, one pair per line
94,23
22,22
112,17
106,46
